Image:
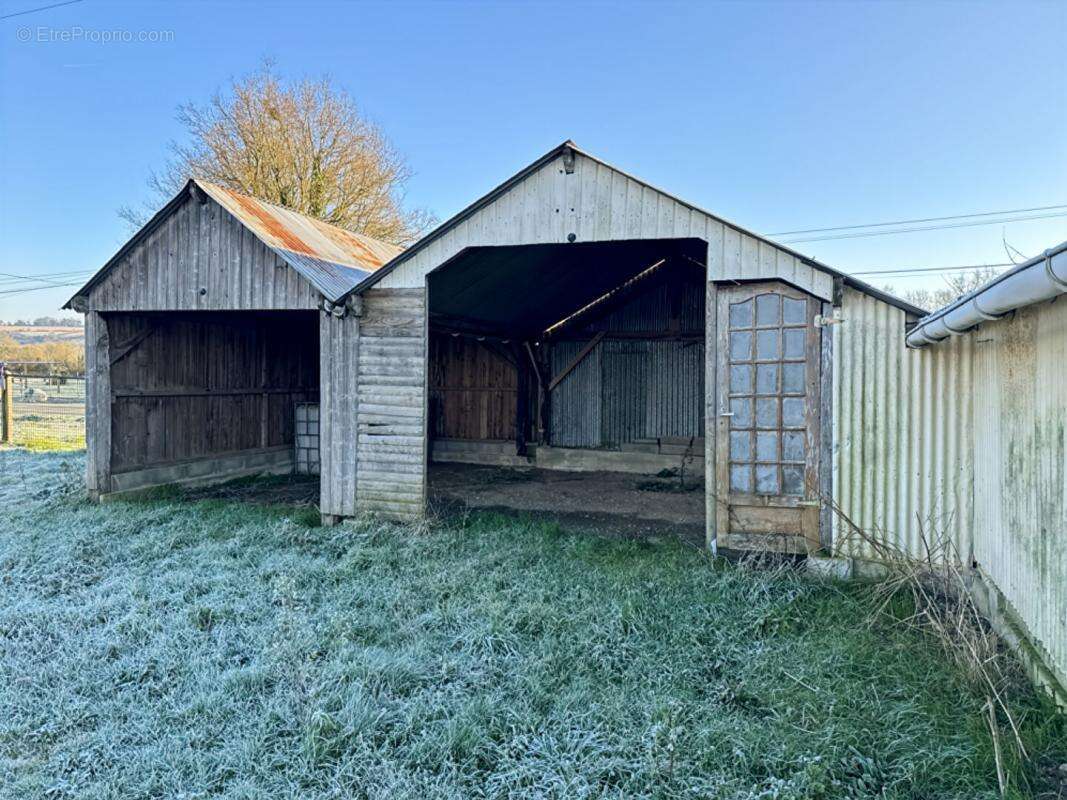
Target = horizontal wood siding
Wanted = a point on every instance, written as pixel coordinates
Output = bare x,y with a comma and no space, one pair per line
206,384
339,353
391,404
598,203
202,259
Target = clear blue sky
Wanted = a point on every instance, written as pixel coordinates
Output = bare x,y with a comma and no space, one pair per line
775,115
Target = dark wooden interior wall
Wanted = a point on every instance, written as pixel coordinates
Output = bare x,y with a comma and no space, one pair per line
473,389
203,384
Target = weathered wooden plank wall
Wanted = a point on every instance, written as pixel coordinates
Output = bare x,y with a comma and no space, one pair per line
473,390
391,403
598,203
339,353
202,259
194,385
97,406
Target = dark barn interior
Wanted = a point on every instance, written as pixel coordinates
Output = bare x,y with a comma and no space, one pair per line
196,394
571,377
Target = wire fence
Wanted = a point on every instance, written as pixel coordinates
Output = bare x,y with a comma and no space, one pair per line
46,412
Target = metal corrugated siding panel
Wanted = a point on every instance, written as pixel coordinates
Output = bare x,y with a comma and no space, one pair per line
599,203
333,280
200,258
627,390
903,432
333,259
576,404
651,311
1021,468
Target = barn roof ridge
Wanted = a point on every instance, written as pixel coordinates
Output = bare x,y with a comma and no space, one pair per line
569,144
330,258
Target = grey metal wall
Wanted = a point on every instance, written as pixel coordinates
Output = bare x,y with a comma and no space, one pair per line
626,390
630,389
202,259
1020,460
903,432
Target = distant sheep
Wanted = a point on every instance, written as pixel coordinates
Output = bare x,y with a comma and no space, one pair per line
35,395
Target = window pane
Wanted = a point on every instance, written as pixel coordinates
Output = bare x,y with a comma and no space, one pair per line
766,412
741,478
768,309
767,446
741,379
792,479
742,412
793,378
767,345
767,379
794,311
740,446
766,479
794,342
741,314
793,446
741,346
793,412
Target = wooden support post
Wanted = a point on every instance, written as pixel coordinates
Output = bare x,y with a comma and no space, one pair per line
97,406
7,433
522,401
545,407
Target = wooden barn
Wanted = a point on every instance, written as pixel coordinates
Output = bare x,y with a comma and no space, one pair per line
637,358
574,319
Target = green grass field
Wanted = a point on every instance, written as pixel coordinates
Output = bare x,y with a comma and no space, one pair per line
209,649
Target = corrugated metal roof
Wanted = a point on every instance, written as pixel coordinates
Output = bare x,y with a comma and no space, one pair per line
333,259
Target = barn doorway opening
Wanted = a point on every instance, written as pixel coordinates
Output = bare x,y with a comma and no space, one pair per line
568,379
199,397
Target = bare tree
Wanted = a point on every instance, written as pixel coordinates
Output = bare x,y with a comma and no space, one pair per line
303,145
955,286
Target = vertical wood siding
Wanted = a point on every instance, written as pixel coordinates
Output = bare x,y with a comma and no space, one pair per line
1021,468
473,390
202,259
598,203
97,405
339,347
198,385
391,403
903,431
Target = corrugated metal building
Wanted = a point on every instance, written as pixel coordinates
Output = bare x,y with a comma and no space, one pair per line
576,317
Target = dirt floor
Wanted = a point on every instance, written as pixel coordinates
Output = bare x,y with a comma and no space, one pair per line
608,503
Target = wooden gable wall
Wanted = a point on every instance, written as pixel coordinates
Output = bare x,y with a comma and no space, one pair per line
201,258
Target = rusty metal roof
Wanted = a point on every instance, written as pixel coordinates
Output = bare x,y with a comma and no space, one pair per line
333,259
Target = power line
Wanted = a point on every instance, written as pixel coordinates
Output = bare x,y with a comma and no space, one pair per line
9,292
914,221
919,270
924,228
40,8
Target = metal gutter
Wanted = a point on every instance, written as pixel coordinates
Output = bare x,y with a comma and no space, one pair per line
1041,278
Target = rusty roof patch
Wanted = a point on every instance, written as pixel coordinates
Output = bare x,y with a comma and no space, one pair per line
333,260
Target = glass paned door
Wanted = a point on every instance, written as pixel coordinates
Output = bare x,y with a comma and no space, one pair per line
767,431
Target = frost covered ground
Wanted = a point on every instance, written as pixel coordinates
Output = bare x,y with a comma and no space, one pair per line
218,649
